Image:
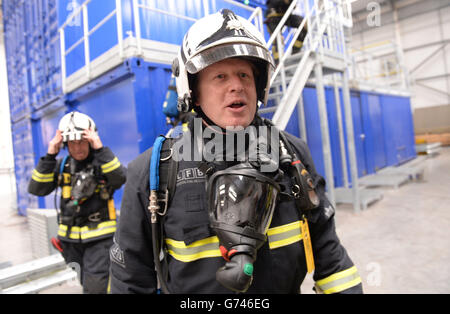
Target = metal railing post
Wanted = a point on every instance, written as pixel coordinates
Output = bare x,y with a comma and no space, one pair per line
62,44
119,27
87,57
137,25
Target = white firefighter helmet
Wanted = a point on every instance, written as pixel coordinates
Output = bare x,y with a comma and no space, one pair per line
214,38
73,124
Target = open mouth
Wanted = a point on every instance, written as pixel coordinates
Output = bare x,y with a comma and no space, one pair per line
236,105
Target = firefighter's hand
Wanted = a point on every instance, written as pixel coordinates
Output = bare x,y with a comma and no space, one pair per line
92,137
55,144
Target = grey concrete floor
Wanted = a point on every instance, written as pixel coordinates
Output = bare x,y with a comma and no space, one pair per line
400,244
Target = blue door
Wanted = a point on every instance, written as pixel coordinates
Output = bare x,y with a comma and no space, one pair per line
373,130
359,135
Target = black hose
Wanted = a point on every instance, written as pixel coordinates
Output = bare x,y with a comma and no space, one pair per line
156,260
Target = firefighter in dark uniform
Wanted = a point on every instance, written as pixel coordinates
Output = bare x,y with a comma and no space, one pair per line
275,12
230,226
88,177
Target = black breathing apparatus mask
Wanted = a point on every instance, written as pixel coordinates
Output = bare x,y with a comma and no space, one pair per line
84,184
241,202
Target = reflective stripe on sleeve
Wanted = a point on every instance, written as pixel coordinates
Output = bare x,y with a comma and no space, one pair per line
42,177
111,166
284,235
339,281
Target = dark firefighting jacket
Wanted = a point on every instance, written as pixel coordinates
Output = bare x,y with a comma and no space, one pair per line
277,7
193,254
96,217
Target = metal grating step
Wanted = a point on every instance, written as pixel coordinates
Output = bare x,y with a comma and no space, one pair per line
367,197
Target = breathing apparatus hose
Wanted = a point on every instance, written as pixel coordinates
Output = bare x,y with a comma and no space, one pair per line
156,250
154,210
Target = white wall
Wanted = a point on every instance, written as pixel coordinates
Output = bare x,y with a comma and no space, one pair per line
424,29
6,156
7,179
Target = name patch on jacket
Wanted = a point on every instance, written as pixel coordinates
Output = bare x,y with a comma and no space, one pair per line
190,175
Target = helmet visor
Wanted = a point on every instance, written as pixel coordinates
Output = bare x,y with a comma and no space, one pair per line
218,53
242,198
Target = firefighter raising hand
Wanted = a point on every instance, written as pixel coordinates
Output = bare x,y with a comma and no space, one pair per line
92,137
55,144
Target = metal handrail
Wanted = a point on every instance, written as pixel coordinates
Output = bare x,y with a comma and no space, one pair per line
331,21
289,50
256,18
82,9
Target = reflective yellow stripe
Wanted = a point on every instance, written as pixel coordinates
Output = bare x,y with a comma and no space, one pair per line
84,233
204,248
111,166
284,235
209,247
42,177
340,281
62,230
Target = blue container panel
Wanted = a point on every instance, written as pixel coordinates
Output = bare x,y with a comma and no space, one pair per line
373,130
150,91
166,28
398,129
16,60
24,164
313,131
105,36
359,136
333,128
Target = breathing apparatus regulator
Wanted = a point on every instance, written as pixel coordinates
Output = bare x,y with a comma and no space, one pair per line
241,198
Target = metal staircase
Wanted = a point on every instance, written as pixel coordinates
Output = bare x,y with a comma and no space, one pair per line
323,53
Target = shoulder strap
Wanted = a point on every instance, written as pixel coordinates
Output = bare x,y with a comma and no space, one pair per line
163,169
168,169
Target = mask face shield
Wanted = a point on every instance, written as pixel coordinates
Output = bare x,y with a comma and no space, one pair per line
242,199
241,204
